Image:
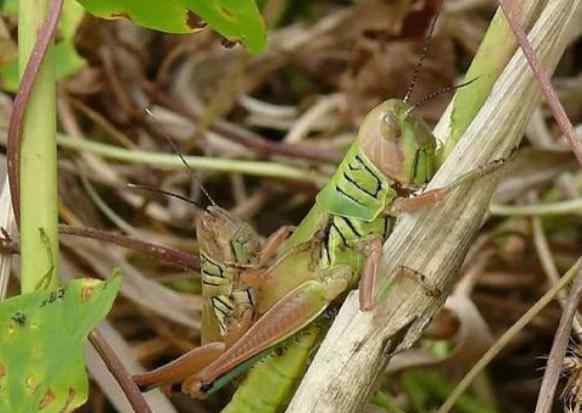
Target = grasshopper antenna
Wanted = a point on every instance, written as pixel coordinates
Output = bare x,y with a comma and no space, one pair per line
177,151
441,92
165,193
423,54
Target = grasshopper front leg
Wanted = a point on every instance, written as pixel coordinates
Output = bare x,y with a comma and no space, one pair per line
428,198
290,314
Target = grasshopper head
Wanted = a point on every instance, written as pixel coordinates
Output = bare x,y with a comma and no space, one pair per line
398,143
226,238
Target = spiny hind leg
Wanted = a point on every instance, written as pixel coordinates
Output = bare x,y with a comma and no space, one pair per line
286,317
214,344
181,368
428,198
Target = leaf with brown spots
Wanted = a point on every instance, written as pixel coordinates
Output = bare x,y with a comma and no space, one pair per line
42,336
236,20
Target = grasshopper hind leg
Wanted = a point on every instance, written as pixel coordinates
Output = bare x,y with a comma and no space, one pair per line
290,314
181,368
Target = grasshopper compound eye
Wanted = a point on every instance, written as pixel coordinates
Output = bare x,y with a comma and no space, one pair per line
390,126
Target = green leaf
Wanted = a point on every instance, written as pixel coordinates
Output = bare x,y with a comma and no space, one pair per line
233,19
42,337
9,7
68,61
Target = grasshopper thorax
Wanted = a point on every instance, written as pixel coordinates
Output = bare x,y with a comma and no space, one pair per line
399,143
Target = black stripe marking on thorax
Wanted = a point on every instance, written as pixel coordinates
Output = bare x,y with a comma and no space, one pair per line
352,227
341,191
225,304
250,297
206,260
342,236
371,172
361,188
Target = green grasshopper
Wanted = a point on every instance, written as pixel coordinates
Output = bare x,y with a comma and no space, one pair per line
393,157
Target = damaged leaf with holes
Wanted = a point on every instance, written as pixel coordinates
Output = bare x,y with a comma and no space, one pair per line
236,20
42,340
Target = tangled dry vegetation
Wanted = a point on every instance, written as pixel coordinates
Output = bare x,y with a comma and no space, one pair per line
296,108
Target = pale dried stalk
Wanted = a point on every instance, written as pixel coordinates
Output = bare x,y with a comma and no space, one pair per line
434,242
549,265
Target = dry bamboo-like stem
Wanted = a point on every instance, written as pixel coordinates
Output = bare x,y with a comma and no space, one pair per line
433,241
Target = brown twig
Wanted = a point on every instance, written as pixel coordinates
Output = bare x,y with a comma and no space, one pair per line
510,9
164,254
115,366
556,358
13,139
246,138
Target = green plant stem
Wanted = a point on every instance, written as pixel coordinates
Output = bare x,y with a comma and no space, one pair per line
494,53
38,162
171,161
550,208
